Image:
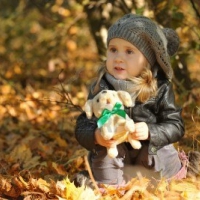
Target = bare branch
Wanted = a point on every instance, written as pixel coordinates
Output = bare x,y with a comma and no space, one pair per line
195,8
66,94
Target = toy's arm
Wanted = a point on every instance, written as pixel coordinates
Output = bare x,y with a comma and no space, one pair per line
129,125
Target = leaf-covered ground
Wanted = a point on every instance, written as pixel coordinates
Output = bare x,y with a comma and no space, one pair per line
39,153
38,150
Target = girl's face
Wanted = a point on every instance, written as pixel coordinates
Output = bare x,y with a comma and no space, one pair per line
124,60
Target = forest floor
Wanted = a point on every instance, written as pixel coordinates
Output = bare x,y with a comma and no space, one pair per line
39,153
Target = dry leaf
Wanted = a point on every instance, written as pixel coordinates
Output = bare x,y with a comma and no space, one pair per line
59,169
183,186
61,142
80,193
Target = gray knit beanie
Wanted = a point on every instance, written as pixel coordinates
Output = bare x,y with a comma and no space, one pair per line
156,44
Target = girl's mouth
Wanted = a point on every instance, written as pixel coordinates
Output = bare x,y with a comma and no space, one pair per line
119,68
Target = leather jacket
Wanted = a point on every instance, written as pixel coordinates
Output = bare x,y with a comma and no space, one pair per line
160,113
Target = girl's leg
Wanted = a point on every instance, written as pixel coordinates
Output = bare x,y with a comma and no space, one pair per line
166,161
105,169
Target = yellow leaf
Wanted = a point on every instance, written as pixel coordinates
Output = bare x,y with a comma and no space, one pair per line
162,186
191,195
183,187
74,193
7,89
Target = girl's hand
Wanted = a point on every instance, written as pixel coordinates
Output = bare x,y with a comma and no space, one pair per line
101,141
141,131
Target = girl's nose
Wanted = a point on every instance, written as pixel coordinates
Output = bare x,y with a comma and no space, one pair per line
119,58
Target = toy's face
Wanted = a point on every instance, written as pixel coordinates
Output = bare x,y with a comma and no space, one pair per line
105,100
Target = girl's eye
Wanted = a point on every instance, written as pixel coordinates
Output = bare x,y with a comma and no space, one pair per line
128,51
113,50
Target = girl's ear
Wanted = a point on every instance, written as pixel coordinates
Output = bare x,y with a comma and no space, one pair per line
88,109
125,98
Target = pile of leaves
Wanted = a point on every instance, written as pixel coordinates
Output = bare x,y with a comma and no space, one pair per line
39,154
37,143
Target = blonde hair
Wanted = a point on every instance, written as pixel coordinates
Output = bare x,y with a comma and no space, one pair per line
145,84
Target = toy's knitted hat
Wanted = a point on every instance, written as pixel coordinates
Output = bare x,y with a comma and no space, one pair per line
156,44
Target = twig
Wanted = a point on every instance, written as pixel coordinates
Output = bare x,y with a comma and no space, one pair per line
64,95
123,5
195,9
67,96
91,175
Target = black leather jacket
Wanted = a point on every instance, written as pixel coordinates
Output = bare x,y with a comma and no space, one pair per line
160,113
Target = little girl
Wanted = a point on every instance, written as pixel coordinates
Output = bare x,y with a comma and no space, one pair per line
137,62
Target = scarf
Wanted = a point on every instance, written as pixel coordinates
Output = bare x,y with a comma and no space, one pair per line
124,85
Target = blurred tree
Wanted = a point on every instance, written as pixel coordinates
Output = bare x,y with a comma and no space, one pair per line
100,15
196,7
8,6
39,38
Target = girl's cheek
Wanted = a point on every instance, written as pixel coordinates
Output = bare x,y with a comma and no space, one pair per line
109,56
107,62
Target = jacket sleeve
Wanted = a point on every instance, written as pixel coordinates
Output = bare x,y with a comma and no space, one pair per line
169,127
85,128
84,131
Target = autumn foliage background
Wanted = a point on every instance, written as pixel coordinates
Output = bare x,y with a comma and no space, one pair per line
50,51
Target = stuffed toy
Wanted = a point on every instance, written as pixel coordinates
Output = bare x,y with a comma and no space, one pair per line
108,107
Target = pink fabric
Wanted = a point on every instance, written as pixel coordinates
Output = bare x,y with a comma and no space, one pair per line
183,171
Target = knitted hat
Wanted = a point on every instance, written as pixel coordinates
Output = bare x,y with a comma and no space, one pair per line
154,43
